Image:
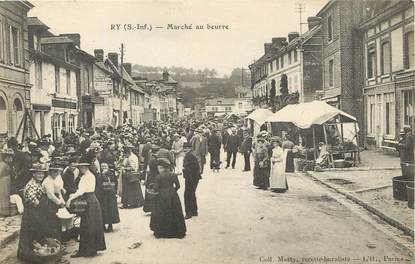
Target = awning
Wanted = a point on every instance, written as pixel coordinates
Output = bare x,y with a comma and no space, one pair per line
260,115
305,115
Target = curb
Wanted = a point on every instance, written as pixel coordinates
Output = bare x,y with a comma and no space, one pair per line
393,222
361,169
9,238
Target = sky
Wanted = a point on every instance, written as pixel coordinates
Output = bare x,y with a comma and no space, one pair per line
251,24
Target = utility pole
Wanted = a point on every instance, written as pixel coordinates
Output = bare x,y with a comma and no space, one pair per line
120,114
300,8
242,78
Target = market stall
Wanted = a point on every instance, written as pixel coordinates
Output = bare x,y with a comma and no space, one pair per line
330,127
257,119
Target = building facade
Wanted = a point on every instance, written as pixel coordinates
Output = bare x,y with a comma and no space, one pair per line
219,106
342,56
107,82
389,72
14,65
295,61
243,101
63,79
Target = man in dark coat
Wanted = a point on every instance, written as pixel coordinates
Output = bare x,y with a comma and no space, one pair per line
246,150
232,146
214,144
191,174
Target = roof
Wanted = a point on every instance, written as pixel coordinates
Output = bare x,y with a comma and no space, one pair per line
325,7
125,76
50,58
102,66
260,115
56,40
35,22
86,54
303,38
383,11
304,115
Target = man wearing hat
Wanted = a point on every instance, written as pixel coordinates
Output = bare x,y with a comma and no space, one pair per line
246,149
214,144
231,147
406,153
192,175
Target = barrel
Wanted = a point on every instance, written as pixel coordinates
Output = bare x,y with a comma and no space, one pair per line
399,188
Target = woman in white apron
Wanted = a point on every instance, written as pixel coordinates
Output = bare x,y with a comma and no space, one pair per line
278,180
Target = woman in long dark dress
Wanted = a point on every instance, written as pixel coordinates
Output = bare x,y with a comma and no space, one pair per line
132,195
167,220
151,176
91,232
34,225
110,214
261,167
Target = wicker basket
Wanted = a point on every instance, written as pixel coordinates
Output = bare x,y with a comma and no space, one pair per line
54,257
78,206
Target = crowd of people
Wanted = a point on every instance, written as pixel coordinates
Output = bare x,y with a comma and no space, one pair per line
90,168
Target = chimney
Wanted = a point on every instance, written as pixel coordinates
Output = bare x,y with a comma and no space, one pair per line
278,42
127,67
292,36
166,76
113,57
313,21
75,37
99,55
267,47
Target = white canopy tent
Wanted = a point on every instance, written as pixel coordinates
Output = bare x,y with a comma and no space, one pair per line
306,115
258,116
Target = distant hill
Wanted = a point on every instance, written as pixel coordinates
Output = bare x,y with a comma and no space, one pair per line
195,84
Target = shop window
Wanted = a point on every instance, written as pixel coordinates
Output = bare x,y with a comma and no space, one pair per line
385,57
389,104
71,123
56,126
378,124
371,114
408,108
409,50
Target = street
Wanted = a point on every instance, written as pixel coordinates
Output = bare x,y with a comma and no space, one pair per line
238,223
